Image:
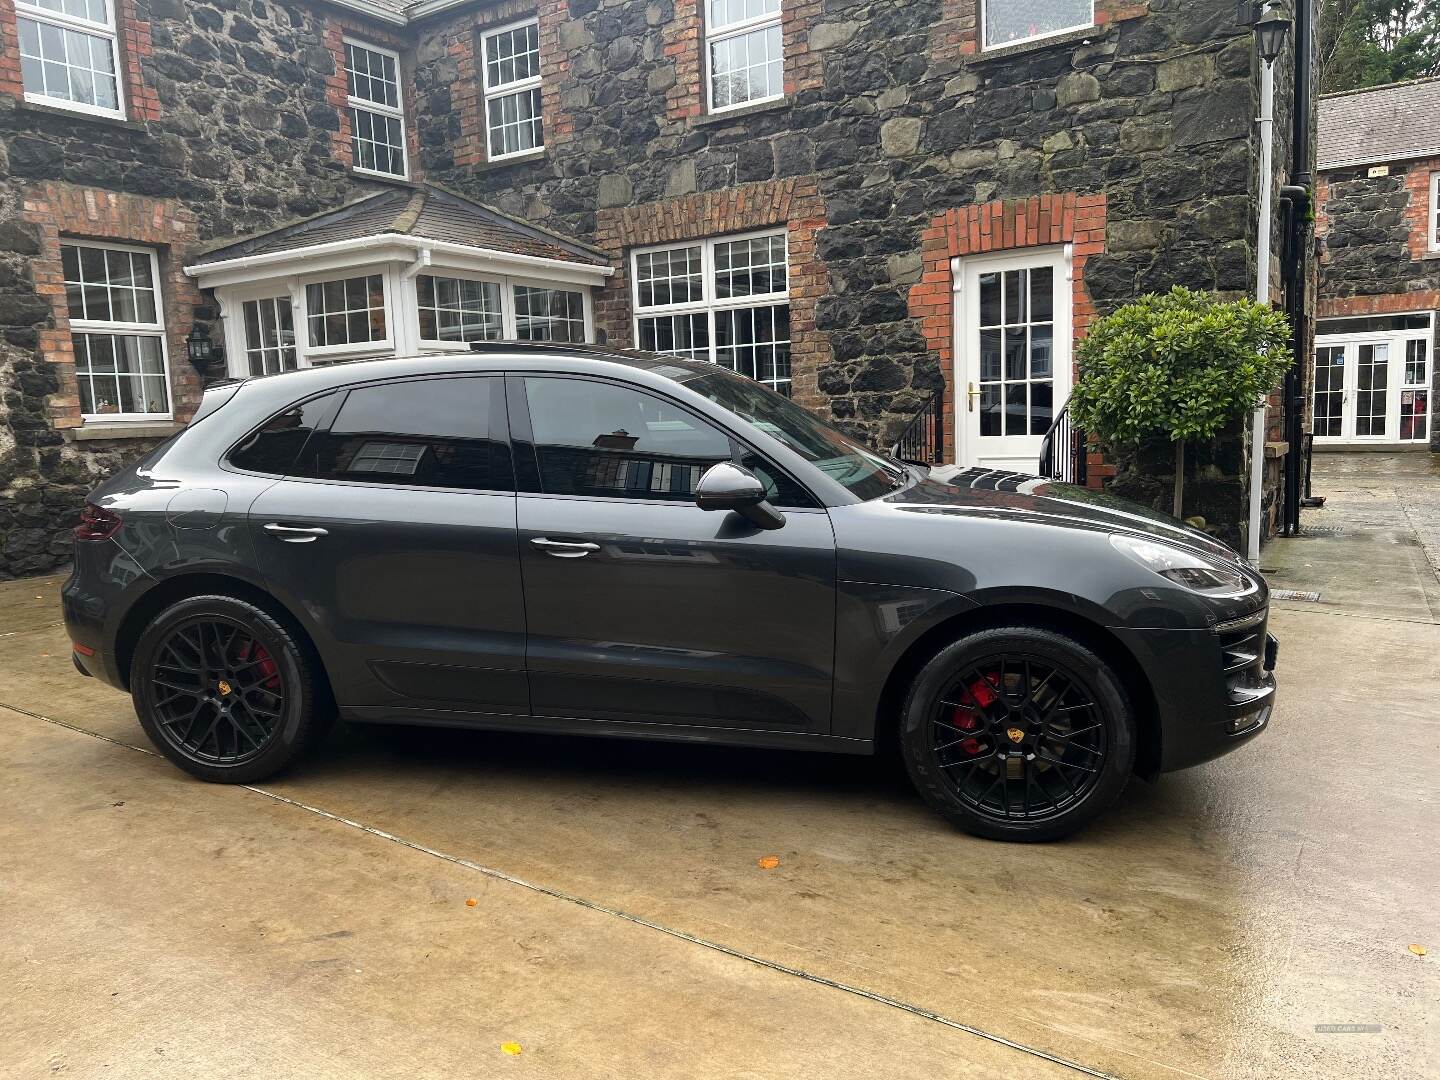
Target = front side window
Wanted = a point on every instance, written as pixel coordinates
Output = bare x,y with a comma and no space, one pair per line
68,54
346,312
458,309
744,46
512,90
428,433
605,441
725,301
377,109
543,314
1008,22
118,331
269,336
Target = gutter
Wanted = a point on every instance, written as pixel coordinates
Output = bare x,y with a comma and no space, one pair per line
1300,239
378,12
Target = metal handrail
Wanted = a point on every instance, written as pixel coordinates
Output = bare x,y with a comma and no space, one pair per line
1063,452
923,439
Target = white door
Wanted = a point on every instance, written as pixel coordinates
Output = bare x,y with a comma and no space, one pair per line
1012,347
1372,389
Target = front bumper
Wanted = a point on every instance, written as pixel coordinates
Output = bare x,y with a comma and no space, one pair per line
1214,689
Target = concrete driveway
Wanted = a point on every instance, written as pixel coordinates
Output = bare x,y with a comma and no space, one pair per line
321,925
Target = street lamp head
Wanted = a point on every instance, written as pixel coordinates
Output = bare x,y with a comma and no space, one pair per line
200,348
1270,34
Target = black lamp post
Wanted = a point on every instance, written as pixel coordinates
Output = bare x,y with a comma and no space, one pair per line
201,350
1270,34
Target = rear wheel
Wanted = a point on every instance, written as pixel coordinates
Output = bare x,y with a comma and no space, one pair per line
225,691
1018,733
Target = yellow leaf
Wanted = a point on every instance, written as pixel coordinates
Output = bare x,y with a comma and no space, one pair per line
513,1049
769,862
471,902
1419,950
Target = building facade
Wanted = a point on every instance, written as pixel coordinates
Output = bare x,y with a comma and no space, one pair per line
862,205
1378,222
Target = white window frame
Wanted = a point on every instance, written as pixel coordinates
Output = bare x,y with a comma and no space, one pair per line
507,283
110,30
984,10
132,329
738,29
273,298
1434,216
351,350
397,112
487,92
709,303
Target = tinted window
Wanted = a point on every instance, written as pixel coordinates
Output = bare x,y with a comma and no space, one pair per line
598,439
430,433
783,491
276,446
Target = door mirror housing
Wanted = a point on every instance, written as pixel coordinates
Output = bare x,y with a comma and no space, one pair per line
729,487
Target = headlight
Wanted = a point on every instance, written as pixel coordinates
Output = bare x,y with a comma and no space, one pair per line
1186,568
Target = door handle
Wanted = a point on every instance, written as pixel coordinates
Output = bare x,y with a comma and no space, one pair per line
972,395
565,549
295,534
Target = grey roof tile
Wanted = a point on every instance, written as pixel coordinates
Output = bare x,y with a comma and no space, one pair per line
1384,123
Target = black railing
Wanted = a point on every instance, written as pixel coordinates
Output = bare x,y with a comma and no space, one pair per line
1063,452
923,440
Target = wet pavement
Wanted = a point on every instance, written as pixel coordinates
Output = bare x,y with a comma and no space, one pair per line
317,926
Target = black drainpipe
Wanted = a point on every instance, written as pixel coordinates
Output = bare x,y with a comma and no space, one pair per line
1298,194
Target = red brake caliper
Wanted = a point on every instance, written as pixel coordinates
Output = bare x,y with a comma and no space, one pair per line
978,695
269,671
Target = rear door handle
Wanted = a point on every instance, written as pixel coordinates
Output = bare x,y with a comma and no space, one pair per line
565,549
295,534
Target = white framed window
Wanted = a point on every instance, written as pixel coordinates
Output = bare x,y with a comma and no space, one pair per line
511,80
549,314
347,313
724,300
1013,22
69,54
744,53
1434,217
459,309
117,327
269,335
377,109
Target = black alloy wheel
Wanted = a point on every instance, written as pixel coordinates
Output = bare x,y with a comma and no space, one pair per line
224,690
1018,733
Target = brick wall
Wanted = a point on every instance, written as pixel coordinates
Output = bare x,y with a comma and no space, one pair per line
1001,225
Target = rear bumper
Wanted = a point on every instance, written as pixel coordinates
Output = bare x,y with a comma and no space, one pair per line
85,616
1210,698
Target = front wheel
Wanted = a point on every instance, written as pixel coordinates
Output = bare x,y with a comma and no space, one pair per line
1018,733
224,690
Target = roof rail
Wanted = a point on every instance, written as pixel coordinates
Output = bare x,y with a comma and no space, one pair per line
537,346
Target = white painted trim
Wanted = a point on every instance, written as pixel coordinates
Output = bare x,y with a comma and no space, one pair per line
383,13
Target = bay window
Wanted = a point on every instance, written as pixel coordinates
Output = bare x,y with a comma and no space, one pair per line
269,336
69,54
744,52
377,109
459,309
513,121
543,314
349,311
725,301
117,328
1009,22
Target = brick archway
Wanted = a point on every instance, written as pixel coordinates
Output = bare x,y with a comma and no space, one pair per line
1003,225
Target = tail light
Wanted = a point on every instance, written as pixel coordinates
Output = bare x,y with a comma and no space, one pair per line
97,523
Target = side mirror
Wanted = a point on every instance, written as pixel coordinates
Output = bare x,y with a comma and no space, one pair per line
729,487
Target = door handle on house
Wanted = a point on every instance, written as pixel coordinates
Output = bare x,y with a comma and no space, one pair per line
565,549
972,395
295,534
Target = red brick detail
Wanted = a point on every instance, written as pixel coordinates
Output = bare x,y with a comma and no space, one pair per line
957,33
795,203
1384,304
1417,213
63,210
337,86
1039,221
135,51
685,45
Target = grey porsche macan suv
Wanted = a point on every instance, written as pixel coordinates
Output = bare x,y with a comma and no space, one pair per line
569,539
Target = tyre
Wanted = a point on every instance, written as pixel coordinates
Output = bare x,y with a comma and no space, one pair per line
225,691
1018,733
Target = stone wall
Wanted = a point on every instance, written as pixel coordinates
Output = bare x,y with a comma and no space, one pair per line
897,120
229,130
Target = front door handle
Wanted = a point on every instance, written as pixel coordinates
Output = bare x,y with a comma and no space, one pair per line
565,549
295,534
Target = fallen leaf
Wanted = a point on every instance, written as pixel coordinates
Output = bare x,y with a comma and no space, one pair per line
471,902
513,1049
769,862
1419,950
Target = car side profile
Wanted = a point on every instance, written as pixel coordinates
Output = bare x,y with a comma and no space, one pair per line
569,539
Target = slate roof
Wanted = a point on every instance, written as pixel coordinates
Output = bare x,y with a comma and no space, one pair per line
1384,123
427,212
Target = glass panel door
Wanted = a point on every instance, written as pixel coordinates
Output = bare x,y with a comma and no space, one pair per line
1329,391
1372,390
1415,392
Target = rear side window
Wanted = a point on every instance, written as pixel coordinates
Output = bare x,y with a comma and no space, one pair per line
276,447
428,433
602,440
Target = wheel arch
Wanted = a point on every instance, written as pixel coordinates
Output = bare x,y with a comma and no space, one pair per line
1090,634
183,586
